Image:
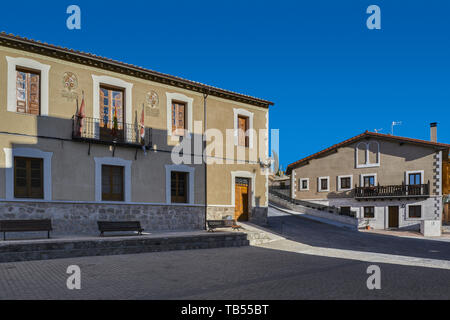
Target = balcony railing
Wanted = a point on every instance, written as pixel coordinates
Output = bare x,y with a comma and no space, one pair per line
416,190
108,132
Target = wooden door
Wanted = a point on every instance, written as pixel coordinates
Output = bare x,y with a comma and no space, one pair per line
446,215
241,199
393,217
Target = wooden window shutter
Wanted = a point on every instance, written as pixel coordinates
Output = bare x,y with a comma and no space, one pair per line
242,131
28,178
28,92
34,91
178,187
178,118
112,183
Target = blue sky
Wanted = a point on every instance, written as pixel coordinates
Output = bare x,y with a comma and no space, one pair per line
330,77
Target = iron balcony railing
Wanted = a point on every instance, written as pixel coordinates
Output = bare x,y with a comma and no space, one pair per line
413,190
282,195
108,132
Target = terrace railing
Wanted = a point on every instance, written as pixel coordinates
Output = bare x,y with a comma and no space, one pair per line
416,190
108,132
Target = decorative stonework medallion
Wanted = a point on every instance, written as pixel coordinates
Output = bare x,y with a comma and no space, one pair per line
152,103
70,83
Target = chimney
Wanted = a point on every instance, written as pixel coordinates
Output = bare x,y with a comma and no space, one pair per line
433,131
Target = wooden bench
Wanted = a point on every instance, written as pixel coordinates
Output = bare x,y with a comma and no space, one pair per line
109,226
214,224
25,226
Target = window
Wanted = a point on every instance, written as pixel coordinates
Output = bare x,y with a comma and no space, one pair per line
415,178
243,128
28,91
303,184
345,182
178,187
243,140
345,210
111,112
323,184
415,211
112,183
368,181
369,212
178,118
367,154
28,86
28,178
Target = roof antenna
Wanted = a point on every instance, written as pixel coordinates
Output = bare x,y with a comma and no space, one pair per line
377,130
394,123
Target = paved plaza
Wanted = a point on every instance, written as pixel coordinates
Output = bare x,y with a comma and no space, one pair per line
316,261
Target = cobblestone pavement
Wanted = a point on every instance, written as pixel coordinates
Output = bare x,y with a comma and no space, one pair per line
268,272
229,273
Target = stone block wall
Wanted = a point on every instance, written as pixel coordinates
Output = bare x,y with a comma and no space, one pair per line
81,218
258,215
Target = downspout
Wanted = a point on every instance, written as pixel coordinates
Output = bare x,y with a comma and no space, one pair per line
204,156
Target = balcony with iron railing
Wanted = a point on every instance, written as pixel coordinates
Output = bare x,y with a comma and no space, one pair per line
111,132
393,191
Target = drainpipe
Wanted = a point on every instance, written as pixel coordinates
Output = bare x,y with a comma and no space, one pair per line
205,96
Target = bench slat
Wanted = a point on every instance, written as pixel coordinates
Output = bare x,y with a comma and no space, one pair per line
106,226
25,225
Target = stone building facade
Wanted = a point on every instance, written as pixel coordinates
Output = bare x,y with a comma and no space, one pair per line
84,138
389,181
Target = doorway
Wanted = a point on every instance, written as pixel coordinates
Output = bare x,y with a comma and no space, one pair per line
241,190
393,217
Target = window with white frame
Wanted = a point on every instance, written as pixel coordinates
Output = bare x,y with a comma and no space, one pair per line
324,184
180,184
112,179
179,114
368,180
28,86
111,95
303,184
345,182
243,120
28,173
414,177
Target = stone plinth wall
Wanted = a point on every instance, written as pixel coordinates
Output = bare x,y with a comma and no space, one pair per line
258,215
81,218
219,213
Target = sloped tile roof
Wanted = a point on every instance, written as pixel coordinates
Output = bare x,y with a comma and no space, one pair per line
39,47
363,135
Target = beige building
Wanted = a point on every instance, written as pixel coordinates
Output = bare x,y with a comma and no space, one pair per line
84,138
389,181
